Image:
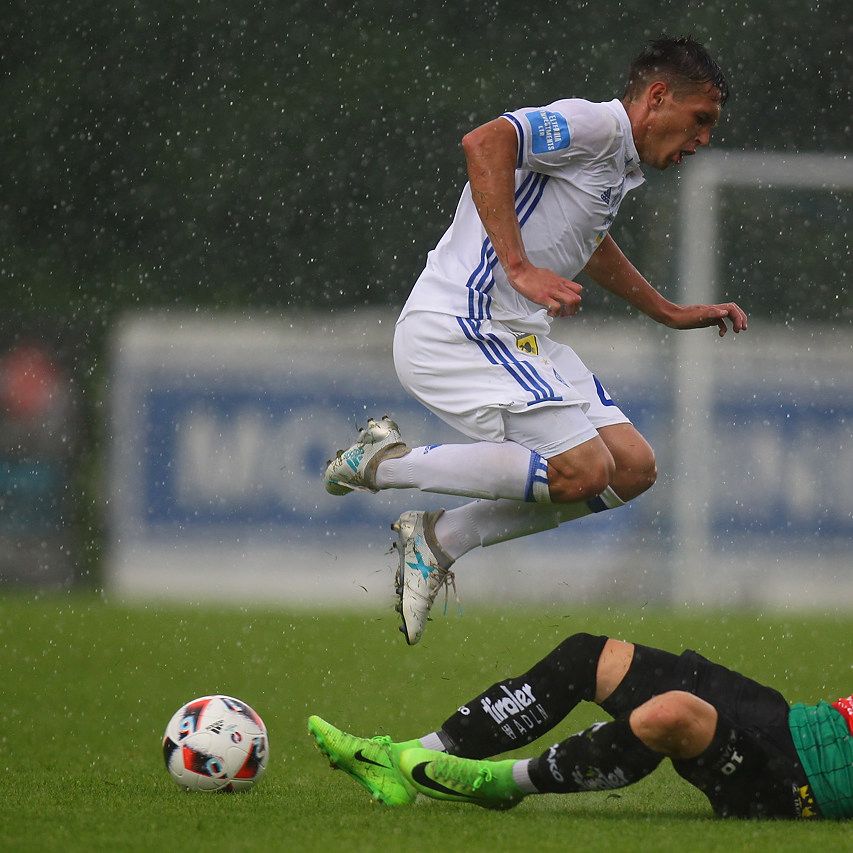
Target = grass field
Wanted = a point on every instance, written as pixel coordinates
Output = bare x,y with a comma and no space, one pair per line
88,687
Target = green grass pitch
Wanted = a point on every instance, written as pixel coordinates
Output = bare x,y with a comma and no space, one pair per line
88,687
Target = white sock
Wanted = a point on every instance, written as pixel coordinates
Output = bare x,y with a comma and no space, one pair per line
482,523
485,469
521,777
433,741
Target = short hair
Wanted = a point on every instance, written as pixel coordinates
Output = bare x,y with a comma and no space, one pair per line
681,59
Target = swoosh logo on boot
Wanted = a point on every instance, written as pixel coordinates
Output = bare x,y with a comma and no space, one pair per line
420,776
360,756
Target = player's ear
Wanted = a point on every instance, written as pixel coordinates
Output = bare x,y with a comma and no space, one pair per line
655,94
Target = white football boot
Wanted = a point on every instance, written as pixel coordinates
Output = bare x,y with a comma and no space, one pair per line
423,570
355,468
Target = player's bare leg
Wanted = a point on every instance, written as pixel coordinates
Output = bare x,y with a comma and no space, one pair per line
635,470
677,724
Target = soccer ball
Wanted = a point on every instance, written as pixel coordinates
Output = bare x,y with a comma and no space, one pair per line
216,743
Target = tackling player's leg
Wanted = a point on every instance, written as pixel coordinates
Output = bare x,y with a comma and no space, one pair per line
713,752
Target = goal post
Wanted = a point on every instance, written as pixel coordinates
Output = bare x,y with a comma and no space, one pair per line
691,566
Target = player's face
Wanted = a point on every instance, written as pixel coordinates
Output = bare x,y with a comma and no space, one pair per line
679,123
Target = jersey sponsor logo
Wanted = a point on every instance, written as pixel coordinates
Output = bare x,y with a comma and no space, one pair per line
550,131
528,344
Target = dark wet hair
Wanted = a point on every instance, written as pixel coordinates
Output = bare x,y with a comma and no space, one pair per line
681,59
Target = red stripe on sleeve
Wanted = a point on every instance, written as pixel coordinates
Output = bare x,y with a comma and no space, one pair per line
845,708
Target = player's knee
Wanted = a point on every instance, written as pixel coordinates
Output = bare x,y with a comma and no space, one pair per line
581,484
631,481
675,723
664,714
647,471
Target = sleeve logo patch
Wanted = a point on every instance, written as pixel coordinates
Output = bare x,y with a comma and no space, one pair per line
550,131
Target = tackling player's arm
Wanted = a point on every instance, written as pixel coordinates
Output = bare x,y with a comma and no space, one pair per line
609,268
491,151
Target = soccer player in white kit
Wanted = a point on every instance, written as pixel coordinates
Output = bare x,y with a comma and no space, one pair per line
472,344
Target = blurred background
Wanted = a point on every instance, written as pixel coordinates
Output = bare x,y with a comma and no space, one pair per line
211,214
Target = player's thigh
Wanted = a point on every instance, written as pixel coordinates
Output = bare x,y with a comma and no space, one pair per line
553,431
745,702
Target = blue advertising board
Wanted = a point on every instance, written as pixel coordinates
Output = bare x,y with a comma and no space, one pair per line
220,444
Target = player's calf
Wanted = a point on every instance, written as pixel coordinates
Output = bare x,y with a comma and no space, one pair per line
605,756
516,711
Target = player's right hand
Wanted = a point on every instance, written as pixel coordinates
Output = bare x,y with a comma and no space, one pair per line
559,295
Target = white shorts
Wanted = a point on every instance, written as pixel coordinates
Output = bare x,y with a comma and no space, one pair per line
492,384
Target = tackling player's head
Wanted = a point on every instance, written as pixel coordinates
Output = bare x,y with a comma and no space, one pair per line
674,95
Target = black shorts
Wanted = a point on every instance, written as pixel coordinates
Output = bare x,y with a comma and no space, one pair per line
760,716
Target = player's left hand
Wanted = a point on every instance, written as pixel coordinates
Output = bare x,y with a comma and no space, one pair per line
703,316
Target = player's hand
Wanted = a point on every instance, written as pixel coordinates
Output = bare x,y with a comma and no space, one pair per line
559,295
703,316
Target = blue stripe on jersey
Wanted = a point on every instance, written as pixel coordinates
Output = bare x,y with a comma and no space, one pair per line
545,179
521,222
520,130
536,473
483,275
487,279
497,352
488,258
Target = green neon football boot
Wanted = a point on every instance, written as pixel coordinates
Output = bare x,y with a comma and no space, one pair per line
370,761
461,780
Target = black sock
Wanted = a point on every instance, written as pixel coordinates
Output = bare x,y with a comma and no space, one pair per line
652,672
516,711
605,756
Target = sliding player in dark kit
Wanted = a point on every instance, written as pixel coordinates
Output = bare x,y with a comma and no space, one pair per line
742,744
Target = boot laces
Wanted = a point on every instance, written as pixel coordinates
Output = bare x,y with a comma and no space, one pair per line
483,775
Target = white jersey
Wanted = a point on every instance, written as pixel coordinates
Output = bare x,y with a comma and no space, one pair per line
576,161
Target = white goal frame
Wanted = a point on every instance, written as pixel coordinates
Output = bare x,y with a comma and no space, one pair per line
691,569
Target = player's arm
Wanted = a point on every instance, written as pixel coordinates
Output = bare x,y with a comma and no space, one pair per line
491,151
610,269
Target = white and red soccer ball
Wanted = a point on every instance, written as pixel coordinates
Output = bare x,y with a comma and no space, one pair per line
216,743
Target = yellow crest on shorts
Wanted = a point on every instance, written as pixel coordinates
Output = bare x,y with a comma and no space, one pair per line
806,803
528,344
